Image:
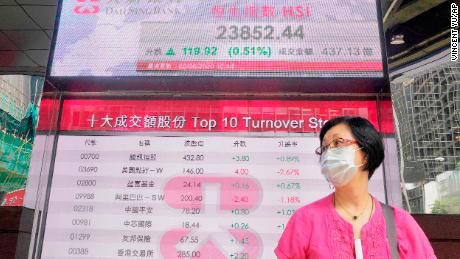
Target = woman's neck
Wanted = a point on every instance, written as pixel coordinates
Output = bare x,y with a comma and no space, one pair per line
354,195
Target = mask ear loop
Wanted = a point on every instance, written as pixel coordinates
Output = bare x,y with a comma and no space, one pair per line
331,186
358,166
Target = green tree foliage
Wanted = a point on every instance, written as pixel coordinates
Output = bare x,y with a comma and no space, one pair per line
447,205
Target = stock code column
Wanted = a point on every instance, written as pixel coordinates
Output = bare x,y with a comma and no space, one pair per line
176,197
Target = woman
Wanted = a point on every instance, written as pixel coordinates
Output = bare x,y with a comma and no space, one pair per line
350,223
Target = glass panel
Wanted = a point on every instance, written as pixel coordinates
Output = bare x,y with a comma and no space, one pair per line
427,109
19,100
42,156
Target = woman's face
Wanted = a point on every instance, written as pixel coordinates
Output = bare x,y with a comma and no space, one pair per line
344,132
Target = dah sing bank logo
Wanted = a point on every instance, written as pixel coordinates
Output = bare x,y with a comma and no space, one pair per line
86,7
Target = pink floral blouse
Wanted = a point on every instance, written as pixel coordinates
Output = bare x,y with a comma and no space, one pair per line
318,231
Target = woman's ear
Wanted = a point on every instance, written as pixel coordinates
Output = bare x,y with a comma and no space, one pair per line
365,157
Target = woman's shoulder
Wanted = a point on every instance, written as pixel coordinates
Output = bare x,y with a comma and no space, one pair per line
316,206
311,214
412,241
401,215
407,228
295,241
403,219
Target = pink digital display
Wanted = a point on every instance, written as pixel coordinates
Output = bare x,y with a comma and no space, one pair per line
211,188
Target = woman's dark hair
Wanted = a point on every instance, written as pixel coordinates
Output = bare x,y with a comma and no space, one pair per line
365,134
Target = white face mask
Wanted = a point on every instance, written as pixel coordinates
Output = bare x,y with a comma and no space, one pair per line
338,165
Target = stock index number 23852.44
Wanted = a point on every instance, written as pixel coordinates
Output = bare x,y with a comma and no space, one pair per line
260,32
